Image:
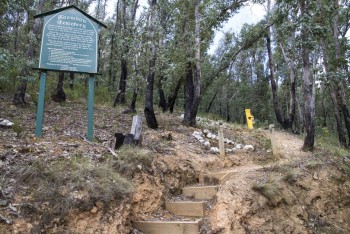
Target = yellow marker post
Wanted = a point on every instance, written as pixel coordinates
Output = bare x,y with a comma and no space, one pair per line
250,118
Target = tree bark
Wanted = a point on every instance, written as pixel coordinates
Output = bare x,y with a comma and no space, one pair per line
309,85
332,92
149,112
193,77
120,98
338,67
59,95
71,81
286,122
162,101
18,98
173,96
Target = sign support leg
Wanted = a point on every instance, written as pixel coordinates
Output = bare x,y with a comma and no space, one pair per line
90,132
41,102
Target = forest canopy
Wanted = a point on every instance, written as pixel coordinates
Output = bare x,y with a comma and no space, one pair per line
291,68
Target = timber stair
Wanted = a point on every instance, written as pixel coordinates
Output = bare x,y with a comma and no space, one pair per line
190,211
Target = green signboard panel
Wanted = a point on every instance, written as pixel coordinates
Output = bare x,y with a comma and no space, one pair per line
69,42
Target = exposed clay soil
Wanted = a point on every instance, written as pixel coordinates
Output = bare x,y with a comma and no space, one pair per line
307,197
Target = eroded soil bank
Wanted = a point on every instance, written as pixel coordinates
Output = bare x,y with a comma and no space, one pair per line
292,192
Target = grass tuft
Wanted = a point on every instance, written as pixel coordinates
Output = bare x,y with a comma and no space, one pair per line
270,190
56,187
131,159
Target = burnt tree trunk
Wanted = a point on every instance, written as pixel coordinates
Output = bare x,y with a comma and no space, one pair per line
120,99
193,77
211,102
173,96
149,112
18,98
59,95
132,107
162,101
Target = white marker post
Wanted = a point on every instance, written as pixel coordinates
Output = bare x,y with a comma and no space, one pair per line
221,142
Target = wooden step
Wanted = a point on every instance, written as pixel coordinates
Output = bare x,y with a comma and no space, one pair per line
186,208
202,192
168,227
215,178
211,178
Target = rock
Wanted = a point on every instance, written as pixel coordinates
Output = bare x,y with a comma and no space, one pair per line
202,141
94,210
229,150
248,147
239,146
196,133
207,144
214,150
6,123
209,135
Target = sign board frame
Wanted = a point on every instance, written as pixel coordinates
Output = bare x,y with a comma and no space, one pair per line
69,44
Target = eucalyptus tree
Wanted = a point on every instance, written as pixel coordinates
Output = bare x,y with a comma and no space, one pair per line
335,64
32,31
126,17
149,111
308,79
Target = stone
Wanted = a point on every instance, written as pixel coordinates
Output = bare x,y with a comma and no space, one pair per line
248,147
214,150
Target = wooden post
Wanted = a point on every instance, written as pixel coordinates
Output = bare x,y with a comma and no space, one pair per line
221,142
90,132
136,127
40,110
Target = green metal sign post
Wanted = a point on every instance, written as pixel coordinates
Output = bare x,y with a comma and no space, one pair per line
90,132
41,102
69,43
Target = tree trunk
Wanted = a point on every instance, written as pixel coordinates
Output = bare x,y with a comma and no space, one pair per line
59,95
309,95
292,76
149,112
338,67
173,96
332,92
120,99
71,81
193,78
211,102
111,75
285,122
18,98
162,101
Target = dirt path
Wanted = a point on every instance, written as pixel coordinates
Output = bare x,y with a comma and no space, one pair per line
278,207
287,146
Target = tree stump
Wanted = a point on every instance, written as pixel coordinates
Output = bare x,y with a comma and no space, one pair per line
134,137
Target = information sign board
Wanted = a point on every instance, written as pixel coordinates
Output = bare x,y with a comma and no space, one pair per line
69,42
